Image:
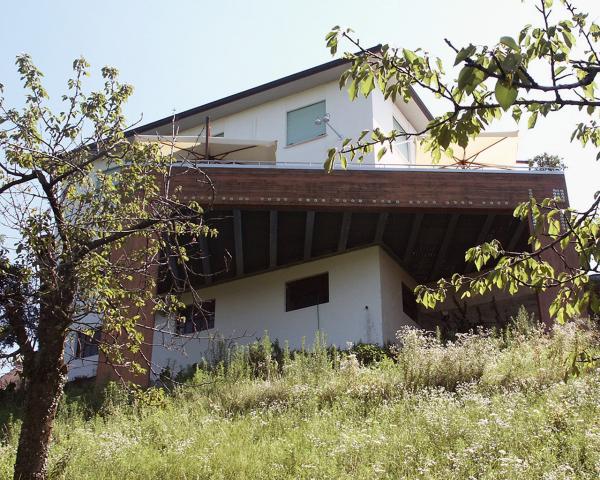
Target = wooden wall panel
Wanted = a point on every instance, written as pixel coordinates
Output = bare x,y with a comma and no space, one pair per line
315,189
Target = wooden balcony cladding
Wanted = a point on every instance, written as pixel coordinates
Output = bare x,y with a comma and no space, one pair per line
370,189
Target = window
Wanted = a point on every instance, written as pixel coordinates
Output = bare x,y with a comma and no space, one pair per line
307,292
301,124
197,318
403,146
87,345
409,302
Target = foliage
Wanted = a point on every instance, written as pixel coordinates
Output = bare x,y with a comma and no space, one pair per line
77,191
89,176
495,81
506,413
368,353
545,161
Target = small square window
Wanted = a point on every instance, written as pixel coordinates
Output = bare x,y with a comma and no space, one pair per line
197,318
409,302
301,125
87,345
402,145
307,292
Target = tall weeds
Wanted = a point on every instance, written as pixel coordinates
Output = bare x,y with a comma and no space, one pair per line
489,404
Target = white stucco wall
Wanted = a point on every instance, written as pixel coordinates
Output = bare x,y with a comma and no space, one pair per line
393,316
269,122
384,111
247,307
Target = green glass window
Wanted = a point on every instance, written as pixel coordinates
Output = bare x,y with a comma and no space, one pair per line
301,124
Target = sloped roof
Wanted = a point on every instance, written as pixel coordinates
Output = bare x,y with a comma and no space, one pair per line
279,88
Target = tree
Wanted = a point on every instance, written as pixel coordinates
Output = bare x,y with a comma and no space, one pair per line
495,81
78,191
545,161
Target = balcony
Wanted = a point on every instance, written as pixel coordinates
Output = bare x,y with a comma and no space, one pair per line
489,153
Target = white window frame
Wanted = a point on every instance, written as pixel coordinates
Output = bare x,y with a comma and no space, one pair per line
397,145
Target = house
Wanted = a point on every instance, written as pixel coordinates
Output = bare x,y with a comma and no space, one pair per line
12,378
301,251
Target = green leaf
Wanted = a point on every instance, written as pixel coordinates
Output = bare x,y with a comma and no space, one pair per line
464,53
409,55
554,228
352,90
367,85
516,113
510,42
512,62
444,137
465,77
560,70
532,120
505,94
331,154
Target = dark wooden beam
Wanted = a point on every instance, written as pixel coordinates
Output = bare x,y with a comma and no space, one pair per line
441,255
273,238
380,230
344,231
515,237
308,234
238,241
206,270
482,236
414,235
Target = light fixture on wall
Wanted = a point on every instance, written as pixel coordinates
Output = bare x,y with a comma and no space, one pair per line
325,120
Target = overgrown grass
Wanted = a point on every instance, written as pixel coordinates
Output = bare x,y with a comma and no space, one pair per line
485,406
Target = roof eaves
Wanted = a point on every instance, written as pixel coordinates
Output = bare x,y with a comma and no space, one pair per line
262,88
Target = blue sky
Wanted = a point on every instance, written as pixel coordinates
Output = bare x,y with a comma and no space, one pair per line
186,53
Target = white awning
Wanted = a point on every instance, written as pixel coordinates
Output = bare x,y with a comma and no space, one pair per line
220,149
489,149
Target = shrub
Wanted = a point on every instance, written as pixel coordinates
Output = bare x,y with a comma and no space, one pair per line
368,353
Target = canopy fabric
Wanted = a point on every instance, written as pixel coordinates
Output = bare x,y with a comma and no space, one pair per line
489,149
220,149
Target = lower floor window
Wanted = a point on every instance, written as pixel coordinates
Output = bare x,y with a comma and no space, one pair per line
87,345
197,317
307,292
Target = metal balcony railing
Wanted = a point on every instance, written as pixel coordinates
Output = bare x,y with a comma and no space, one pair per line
524,169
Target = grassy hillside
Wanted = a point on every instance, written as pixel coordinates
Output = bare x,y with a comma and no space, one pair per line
485,406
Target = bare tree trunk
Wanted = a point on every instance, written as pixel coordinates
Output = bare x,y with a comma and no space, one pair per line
43,390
